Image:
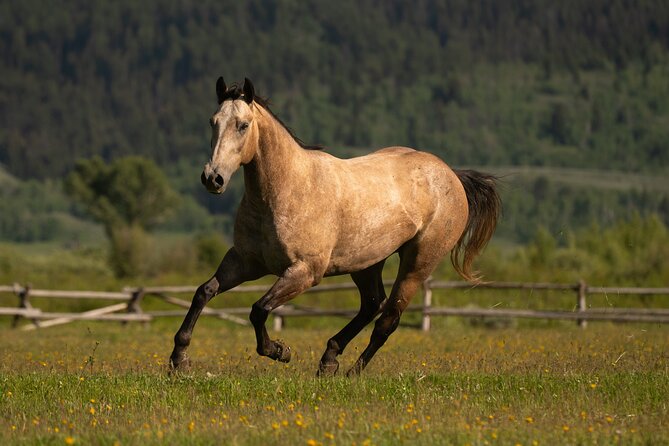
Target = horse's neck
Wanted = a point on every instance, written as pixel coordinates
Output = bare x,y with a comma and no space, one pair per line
278,165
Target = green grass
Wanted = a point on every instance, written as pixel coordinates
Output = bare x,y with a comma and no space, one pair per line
95,383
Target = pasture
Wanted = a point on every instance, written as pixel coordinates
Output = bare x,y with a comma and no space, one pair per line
97,383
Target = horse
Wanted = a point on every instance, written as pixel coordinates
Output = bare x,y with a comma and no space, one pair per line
306,214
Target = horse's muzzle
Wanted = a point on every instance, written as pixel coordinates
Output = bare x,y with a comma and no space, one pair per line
215,183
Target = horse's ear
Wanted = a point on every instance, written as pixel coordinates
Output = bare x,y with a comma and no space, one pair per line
220,89
249,92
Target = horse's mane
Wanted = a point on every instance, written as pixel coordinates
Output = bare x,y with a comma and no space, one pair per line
235,92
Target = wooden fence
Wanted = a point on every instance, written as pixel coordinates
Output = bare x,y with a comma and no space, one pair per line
129,309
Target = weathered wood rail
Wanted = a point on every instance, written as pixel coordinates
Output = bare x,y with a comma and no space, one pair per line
131,298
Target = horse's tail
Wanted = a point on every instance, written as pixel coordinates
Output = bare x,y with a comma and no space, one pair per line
485,207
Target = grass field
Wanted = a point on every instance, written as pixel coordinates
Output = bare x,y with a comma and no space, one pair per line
96,383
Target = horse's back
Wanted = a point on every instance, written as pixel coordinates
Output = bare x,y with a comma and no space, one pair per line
387,154
402,169
391,196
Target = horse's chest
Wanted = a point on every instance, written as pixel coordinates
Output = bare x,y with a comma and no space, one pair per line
262,237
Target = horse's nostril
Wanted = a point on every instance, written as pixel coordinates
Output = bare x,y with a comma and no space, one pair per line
219,180
203,178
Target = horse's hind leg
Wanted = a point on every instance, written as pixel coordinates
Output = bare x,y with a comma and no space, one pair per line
372,294
386,324
297,278
231,272
417,261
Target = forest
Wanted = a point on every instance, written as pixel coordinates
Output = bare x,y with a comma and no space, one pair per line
568,102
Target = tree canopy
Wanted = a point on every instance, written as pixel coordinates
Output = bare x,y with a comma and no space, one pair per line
484,82
131,191
128,196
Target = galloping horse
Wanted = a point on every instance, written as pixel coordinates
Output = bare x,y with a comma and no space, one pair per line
306,214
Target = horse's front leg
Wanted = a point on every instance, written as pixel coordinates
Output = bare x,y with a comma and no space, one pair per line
372,295
297,278
231,272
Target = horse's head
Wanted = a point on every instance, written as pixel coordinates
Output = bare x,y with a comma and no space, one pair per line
234,136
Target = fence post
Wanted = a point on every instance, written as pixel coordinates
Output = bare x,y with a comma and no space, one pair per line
133,304
23,293
278,320
582,307
427,303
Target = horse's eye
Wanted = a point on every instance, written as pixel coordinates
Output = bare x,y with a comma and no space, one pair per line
242,126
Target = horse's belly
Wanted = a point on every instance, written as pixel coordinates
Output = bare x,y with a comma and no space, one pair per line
369,244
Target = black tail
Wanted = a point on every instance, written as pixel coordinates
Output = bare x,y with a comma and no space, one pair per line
485,207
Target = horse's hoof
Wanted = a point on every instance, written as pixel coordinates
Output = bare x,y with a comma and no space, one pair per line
354,371
283,354
179,365
327,369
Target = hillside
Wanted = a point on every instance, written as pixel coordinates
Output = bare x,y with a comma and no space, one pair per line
577,84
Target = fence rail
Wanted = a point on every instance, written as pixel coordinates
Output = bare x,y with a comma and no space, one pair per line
132,297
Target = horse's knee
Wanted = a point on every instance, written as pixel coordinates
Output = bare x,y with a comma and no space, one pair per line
208,289
204,293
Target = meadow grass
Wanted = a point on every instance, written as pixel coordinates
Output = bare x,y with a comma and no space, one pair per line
97,383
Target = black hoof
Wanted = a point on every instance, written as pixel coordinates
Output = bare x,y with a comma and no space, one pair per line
354,371
181,364
283,352
327,369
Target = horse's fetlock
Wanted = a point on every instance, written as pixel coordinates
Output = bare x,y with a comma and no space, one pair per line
182,339
334,345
